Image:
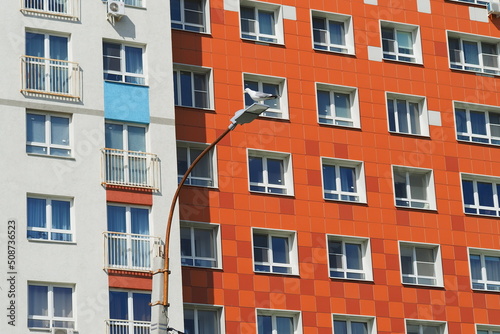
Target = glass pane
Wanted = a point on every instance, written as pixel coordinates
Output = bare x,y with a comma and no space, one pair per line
271,89
461,120
324,104
392,118
454,47
175,10
35,128
111,57
37,212
342,105
116,219
471,52
475,267
284,325
186,241
58,47
142,310
402,116
348,179
337,34
340,327
266,22
485,192
114,136
425,254
353,256
61,215
264,324
426,269
38,300
133,60
189,326
275,171
280,249
405,42
412,329
203,239
407,260
256,169
400,184
253,85
329,178
186,89
136,138
468,192
63,305
207,322
414,117
492,264
139,221
35,45
359,327
182,160
59,130
118,305
418,186
478,122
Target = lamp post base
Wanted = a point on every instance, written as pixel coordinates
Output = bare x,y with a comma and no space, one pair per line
159,312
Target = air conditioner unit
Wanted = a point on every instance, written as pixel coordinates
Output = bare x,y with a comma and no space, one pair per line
116,8
62,331
494,7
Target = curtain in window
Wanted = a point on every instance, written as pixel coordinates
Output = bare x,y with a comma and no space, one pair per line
136,138
353,256
359,328
280,250
492,264
141,246
186,88
461,120
340,327
139,221
266,22
414,117
284,325
337,33
63,304
58,47
418,186
142,310
342,105
478,122
329,178
38,300
61,219
133,60
116,219
264,324
402,116
37,212
454,47
207,322
118,305
35,45
347,179
203,239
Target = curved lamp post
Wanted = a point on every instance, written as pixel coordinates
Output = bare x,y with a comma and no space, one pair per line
242,116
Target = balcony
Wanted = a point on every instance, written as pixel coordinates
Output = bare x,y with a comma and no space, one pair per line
127,327
130,252
66,9
130,169
50,77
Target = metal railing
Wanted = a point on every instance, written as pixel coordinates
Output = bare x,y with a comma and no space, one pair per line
68,8
132,252
50,76
127,327
130,168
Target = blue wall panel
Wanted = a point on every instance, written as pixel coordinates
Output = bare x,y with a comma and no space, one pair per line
125,102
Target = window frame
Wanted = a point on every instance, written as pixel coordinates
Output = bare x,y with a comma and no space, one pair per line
437,264
475,178
286,158
471,107
347,20
48,219
293,264
48,133
263,38
371,321
181,25
489,329
365,253
359,179
50,305
430,190
482,253
130,303
199,70
354,105
296,317
216,243
416,39
443,325
205,307
282,92
123,72
211,156
423,116
125,133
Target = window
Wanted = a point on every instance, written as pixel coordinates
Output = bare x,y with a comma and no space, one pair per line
421,264
278,108
487,329
407,114
65,7
477,124
353,324
332,32
261,22
425,327
473,53
204,173
270,172
202,319
49,219
277,322
123,63
189,15
133,3
200,245
349,257
337,105
192,87
401,42
343,180
485,269
414,188
480,195
48,134
50,306
129,312
275,251
46,63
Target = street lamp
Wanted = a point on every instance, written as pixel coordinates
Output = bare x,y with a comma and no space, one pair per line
161,267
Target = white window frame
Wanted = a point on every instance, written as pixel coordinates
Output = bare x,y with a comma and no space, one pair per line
423,116
48,216
438,267
204,307
371,321
475,68
203,29
366,257
47,143
287,172
207,72
337,120
348,48
142,3
272,112
125,133
443,326
416,57
123,73
295,315
430,202
469,136
216,243
476,206
211,156
293,266
489,329
128,216
484,278
472,2
359,179
50,301
278,22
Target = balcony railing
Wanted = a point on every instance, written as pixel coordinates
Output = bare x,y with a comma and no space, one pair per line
50,77
131,252
130,169
127,327
63,8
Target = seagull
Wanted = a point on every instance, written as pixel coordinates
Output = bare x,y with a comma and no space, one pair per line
260,96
